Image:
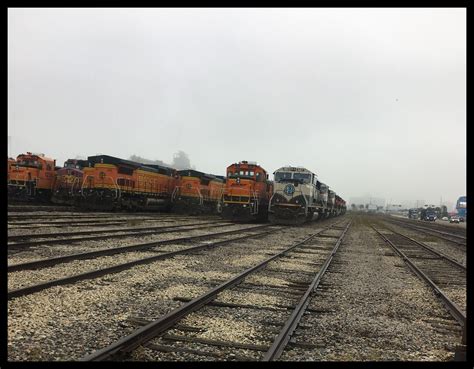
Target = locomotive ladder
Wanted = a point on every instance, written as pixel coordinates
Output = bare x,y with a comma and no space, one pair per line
254,207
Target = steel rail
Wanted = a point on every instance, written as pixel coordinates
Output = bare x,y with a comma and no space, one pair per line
127,265
430,249
117,250
62,216
280,342
147,332
453,309
95,215
429,229
70,224
32,208
103,220
76,233
160,230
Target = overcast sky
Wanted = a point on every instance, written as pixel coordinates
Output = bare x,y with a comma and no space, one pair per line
371,100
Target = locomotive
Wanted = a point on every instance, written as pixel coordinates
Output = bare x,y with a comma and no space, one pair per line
11,164
31,177
299,195
197,192
111,183
340,208
67,185
246,193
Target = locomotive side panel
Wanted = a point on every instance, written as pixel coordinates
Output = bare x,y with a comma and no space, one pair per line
114,183
197,193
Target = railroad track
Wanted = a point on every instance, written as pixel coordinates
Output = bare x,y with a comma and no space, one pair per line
313,256
456,238
36,239
445,276
74,215
437,225
96,223
34,208
149,247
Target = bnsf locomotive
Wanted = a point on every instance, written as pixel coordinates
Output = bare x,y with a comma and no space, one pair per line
197,192
298,196
67,186
247,192
31,177
111,183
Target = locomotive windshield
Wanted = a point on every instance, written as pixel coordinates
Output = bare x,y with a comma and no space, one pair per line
241,174
28,163
280,176
302,177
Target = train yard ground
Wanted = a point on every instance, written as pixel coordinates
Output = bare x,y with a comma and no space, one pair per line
167,287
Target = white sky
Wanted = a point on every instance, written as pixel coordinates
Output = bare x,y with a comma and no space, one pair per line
372,100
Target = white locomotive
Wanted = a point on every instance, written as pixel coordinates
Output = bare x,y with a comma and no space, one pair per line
298,196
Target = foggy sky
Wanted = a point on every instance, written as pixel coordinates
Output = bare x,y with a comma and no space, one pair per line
371,100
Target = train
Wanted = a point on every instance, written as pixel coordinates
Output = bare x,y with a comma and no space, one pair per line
111,183
31,177
108,183
299,196
67,184
247,192
461,207
197,193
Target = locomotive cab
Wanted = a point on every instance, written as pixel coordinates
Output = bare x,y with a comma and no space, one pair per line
295,195
246,193
67,186
31,177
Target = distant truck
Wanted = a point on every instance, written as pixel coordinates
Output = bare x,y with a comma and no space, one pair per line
413,214
430,215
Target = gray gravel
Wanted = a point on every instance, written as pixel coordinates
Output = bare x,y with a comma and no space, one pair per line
66,322
372,308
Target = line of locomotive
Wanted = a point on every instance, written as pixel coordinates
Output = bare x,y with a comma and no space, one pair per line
108,183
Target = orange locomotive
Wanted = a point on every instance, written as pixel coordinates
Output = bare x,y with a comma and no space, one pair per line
247,192
31,177
197,192
67,185
11,165
111,183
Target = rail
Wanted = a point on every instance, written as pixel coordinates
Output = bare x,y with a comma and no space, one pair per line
149,331
453,309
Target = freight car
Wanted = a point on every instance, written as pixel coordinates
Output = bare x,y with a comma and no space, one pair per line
197,192
298,196
246,193
31,177
67,186
111,183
